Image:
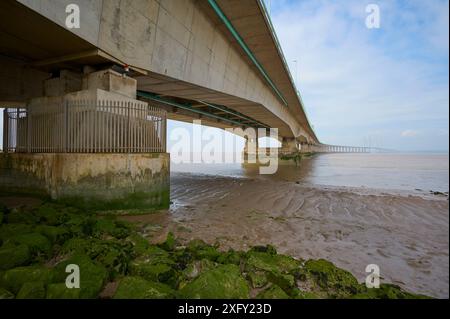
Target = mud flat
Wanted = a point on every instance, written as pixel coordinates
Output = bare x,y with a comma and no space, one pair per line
406,235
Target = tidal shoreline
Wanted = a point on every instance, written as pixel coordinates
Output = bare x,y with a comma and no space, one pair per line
405,235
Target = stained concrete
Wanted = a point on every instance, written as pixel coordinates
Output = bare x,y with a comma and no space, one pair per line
98,181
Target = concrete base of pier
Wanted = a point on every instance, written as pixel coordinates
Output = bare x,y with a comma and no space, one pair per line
92,181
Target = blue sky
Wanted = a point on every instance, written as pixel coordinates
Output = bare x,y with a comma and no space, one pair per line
386,86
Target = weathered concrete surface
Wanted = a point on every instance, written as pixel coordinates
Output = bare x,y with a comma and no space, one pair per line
98,181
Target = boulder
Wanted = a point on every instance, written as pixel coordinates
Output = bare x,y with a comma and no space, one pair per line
340,283
271,263
37,243
14,279
60,291
13,256
139,288
222,282
272,292
5,294
92,276
32,290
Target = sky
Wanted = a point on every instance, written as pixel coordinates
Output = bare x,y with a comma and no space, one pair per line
388,87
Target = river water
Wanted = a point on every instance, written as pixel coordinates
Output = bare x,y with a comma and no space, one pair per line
352,209
382,171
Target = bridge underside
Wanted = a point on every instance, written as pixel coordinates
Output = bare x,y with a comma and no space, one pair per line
30,55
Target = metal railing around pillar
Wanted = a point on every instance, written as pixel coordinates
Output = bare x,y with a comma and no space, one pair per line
85,127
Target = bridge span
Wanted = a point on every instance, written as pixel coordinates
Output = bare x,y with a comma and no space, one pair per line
106,86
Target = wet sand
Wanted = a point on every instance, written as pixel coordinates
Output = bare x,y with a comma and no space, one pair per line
407,236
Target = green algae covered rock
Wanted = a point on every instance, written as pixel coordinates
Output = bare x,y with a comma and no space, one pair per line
5,294
50,215
109,226
326,275
139,243
230,257
32,290
272,292
170,242
38,243
60,291
195,268
20,216
258,279
13,279
270,262
13,256
153,272
284,281
222,282
92,276
113,254
386,291
201,250
10,230
56,235
139,288
156,255
269,249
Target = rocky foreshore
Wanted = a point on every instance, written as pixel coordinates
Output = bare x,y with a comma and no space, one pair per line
116,260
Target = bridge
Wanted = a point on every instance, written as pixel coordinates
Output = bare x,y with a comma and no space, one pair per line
93,99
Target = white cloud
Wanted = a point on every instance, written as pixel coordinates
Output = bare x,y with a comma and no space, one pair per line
354,80
409,133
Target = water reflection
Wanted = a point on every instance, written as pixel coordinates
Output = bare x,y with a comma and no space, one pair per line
411,172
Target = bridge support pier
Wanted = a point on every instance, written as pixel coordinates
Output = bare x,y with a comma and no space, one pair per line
87,142
289,146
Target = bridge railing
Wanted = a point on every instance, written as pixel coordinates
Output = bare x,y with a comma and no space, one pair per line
85,127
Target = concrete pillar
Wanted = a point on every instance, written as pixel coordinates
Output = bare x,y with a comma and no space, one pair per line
251,150
288,146
95,180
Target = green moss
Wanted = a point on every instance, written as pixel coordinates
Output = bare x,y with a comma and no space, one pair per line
56,235
200,250
153,272
272,292
269,262
139,288
222,282
284,281
170,243
230,257
32,290
386,291
140,244
109,226
138,200
92,276
20,216
194,269
269,249
13,279
5,294
338,282
113,254
13,256
10,230
60,291
50,215
258,279
38,244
